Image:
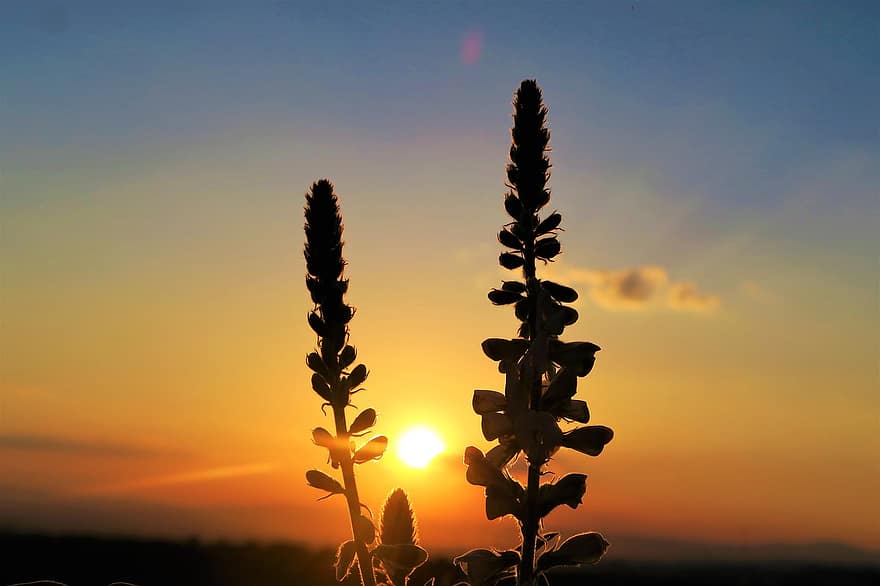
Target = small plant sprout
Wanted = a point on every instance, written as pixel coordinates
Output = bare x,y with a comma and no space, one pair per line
335,380
541,374
398,552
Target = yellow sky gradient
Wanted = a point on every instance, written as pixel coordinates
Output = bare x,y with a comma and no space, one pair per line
179,381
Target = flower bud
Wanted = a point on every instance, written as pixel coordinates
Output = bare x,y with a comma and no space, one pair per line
364,421
511,261
507,238
322,481
513,286
547,248
357,376
502,297
347,356
560,292
372,450
588,440
513,206
548,224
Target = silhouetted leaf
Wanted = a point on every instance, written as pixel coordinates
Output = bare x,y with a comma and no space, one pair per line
479,471
548,224
547,248
495,425
509,260
580,549
347,356
502,297
357,377
345,559
589,440
372,450
364,421
501,349
485,566
365,531
567,491
547,541
322,481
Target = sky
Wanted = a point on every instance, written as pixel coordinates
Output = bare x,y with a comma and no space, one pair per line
717,166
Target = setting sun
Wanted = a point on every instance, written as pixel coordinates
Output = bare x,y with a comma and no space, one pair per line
418,446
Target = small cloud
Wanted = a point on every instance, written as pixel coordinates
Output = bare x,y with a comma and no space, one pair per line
684,296
639,288
471,47
66,445
624,289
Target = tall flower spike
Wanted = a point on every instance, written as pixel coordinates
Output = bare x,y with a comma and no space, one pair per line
529,168
324,263
332,380
541,371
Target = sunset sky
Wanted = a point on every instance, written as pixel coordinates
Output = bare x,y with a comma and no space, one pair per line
717,166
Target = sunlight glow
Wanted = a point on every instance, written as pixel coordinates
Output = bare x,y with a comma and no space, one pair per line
418,446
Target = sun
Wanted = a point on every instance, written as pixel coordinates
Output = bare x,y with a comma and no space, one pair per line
418,446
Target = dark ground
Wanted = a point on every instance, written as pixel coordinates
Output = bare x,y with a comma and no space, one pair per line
93,561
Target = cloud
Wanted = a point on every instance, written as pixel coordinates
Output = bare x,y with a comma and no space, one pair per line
685,296
623,289
639,288
67,445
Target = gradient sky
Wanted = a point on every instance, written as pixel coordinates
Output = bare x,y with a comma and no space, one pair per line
717,166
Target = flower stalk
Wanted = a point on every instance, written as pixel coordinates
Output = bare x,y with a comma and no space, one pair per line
331,379
335,380
541,375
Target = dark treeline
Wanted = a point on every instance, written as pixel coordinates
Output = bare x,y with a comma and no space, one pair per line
98,561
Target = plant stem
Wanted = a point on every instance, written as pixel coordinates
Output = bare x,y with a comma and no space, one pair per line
351,496
525,572
526,569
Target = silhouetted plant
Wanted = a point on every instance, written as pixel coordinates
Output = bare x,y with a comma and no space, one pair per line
335,381
398,552
541,377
